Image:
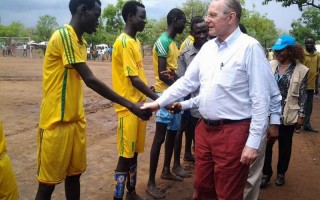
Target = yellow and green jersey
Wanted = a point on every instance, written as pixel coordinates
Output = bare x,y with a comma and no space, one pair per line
62,85
165,47
3,144
312,61
126,62
187,42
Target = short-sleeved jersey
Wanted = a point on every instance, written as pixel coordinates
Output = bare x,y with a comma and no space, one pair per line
312,61
62,85
187,42
165,47
126,62
2,140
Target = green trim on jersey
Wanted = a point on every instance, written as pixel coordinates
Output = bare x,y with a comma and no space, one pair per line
124,41
63,92
121,137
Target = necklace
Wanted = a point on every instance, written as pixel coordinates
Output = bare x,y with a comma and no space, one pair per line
285,65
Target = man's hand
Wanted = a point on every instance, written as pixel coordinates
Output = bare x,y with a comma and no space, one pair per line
144,114
273,132
174,108
249,155
299,122
152,88
170,74
153,106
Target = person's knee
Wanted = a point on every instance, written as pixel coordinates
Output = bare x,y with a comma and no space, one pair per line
124,163
75,178
159,139
44,191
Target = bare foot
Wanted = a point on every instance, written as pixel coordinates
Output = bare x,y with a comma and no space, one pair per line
154,192
134,196
170,176
179,171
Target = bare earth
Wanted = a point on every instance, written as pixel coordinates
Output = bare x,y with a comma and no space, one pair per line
20,97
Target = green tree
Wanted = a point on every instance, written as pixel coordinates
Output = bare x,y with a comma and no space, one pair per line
300,3
114,23
192,8
259,27
15,29
97,37
307,25
45,27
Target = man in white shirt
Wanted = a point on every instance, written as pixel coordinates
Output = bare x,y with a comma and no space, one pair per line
24,50
232,73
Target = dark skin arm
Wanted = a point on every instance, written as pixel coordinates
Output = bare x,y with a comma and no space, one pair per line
162,67
142,87
98,86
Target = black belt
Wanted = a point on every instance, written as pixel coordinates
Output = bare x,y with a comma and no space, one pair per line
222,121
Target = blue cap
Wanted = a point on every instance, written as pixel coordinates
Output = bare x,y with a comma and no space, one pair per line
284,41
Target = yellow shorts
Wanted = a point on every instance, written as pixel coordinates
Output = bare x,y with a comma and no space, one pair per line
8,183
61,152
131,134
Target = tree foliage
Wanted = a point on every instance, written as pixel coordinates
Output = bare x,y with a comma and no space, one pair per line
15,29
299,3
307,25
114,23
45,27
192,8
259,27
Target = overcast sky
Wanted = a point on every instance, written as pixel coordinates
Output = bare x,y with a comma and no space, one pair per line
29,11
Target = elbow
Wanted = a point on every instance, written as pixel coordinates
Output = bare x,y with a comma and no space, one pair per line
90,82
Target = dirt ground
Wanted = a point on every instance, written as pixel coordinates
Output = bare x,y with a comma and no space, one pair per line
20,97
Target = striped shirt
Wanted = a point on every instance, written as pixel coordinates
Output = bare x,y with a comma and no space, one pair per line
165,47
62,85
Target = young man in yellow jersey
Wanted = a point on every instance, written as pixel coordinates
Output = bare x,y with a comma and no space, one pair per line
129,80
8,183
165,58
62,128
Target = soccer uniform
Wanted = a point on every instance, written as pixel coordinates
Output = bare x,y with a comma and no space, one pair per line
166,47
8,184
62,128
126,62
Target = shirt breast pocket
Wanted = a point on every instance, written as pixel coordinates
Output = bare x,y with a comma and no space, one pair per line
226,77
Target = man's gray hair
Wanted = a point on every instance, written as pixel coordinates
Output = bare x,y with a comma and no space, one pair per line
232,6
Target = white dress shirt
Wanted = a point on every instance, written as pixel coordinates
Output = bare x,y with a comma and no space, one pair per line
233,77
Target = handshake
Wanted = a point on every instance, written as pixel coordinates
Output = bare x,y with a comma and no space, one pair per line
144,111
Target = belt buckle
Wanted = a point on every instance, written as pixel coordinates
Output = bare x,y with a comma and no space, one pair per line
215,123
212,123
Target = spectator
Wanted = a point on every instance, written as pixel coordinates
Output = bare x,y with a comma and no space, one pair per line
291,77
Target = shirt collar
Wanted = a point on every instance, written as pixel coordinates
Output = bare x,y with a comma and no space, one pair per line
231,39
73,33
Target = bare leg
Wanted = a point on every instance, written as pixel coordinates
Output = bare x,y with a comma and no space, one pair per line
158,140
72,187
44,192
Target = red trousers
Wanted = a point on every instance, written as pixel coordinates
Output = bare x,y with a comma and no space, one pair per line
218,171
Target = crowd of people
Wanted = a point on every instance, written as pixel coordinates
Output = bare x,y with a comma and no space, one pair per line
219,89
99,53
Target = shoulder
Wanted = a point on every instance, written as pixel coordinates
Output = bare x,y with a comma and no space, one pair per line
122,40
164,39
